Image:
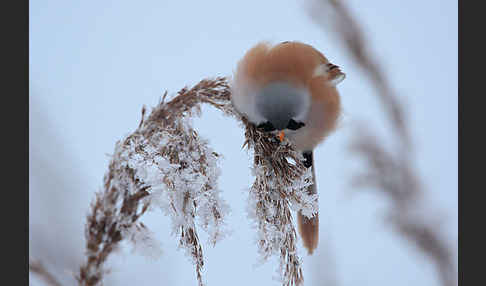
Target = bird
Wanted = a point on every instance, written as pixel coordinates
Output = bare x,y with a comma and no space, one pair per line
289,89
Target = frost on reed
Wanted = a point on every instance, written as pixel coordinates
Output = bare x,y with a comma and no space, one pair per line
390,170
162,164
281,183
165,164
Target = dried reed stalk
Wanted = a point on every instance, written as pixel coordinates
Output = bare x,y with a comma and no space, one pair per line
390,171
38,268
281,183
165,164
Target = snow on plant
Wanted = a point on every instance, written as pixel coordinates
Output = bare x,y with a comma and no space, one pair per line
164,164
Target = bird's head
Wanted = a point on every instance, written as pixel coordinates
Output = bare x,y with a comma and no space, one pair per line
283,108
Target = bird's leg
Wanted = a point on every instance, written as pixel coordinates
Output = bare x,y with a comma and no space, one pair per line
309,227
308,161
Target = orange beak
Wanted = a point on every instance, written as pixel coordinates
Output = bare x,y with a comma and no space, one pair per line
281,136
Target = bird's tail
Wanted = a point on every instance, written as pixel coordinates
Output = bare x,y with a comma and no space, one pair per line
309,231
309,227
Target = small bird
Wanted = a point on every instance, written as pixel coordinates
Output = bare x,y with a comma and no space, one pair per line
289,89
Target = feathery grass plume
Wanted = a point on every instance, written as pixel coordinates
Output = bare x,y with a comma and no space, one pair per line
162,164
165,164
35,266
390,171
281,184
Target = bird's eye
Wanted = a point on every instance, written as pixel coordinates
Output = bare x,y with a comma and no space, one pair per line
330,67
266,126
294,125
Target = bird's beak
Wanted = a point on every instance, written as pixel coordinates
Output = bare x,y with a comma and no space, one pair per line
337,78
281,136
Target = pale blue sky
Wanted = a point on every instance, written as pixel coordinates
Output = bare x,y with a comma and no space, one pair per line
94,64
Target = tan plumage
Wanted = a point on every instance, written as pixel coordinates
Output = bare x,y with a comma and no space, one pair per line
308,80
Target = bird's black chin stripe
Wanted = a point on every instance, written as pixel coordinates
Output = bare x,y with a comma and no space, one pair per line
266,126
294,125
307,159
